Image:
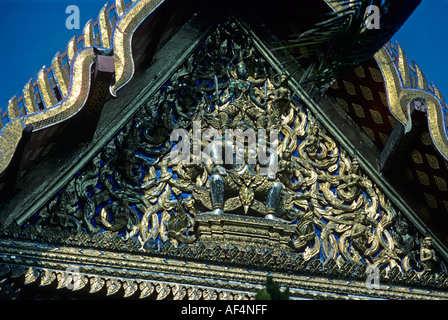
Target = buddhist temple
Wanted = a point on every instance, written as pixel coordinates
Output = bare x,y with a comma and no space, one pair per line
123,175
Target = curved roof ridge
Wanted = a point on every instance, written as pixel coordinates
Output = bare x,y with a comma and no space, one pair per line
404,83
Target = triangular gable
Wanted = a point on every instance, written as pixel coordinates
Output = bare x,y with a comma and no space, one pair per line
134,223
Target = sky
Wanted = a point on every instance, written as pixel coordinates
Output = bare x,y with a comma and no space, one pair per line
33,31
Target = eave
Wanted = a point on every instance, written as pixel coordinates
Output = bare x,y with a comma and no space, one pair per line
137,80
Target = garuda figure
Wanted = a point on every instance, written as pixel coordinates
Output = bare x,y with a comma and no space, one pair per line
247,177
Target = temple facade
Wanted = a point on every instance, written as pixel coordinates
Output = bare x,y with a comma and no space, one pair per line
172,152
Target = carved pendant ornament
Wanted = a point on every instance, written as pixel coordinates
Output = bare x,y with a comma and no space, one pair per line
160,180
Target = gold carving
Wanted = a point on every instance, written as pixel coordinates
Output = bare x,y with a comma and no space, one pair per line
325,207
87,33
61,76
45,88
146,226
349,87
165,277
105,27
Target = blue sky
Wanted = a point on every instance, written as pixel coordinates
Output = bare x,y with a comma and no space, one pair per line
33,31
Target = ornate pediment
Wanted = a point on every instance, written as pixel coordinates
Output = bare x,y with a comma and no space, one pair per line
292,201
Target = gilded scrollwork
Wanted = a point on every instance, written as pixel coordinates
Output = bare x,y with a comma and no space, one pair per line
135,190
